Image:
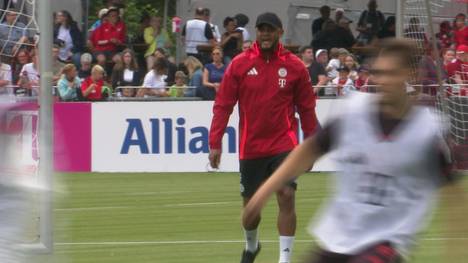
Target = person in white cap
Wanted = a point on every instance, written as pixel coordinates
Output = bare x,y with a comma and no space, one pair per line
102,16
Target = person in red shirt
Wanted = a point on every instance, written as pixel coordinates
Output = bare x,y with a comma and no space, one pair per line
457,71
93,87
270,84
110,36
461,30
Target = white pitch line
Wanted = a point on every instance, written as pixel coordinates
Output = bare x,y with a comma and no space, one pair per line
188,242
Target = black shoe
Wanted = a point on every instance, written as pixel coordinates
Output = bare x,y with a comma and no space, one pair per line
249,257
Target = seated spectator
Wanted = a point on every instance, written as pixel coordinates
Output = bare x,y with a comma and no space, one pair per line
370,23
155,37
332,36
171,67
317,73
5,77
242,21
444,36
461,30
212,75
154,83
126,73
389,28
22,58
57,65
338,57
13,34
351,63
102,14
458,70
343,83
68,37
93,88
195,73
321,56
179,88
29,75
86,61
246,45
448,57
69,85
110,37
231,41
362,81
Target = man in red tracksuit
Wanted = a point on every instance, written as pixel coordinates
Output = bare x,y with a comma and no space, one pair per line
270,84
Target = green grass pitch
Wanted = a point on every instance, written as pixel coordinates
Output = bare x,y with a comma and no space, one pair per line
189,217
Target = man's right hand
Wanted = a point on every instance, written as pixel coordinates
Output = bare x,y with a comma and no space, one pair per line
215,158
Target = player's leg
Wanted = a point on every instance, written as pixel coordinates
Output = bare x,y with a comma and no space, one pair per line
383,252
252,174
286,213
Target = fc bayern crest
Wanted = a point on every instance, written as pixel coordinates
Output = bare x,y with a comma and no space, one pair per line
282,72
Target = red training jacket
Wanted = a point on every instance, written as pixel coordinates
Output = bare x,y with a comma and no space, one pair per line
107,31
269,93
94,95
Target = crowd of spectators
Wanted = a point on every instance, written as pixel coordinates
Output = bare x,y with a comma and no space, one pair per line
107,63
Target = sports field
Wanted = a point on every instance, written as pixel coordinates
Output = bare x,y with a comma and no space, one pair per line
194,217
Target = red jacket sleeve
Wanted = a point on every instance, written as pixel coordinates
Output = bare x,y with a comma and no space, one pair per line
123,33
84,86
304,99
224,103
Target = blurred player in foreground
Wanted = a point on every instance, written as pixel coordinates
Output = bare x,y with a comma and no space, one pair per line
392,158
270,84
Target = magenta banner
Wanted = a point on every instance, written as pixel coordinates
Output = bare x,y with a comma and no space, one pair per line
72,137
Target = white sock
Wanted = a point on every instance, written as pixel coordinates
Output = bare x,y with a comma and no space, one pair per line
251,240
286,246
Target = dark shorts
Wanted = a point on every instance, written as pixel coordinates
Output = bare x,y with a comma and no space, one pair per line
380,253
254,172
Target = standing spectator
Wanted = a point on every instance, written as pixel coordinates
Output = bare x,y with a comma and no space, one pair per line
195,71
231,41
197,32
343,83
242,21
317,24
110,36
444,36
29,75
277,87
339,14
179,88
388,29
461,30
13,33
102,14
126,73
351,63
415,30
22,58
321,56
69,38
332,36
370,23
57,65
93,88
86,61
5,77
154,83
317,73
69,85
458,70
213,75
214,28
155,37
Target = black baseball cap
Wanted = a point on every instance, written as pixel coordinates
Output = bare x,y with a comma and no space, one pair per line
269,19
